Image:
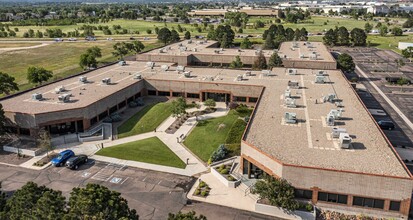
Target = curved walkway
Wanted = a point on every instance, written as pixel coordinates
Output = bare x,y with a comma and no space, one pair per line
2,50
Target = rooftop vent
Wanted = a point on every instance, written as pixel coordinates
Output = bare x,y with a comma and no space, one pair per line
194,50
257,52
165,67
187,74
266,72
336,113
83,79
189,41
64,97
293,84
59,89
180,45
290,118
180,68
313,56
329,98
290,103
248,73
320,73
182,49
150,64
301,56
161,50
239,78
320,79
287,94
106,81
292,71
138,76
330,121
216,51
122,63
344,140
37,96
295,45
335,132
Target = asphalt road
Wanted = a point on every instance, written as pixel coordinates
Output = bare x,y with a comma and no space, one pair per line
152,194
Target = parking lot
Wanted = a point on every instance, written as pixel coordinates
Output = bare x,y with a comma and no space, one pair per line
152,194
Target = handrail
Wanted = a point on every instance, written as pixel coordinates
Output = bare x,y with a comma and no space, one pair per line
92,131
248,189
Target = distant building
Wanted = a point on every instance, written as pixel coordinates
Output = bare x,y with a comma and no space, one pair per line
404,45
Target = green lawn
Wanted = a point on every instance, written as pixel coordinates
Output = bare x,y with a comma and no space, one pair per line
146,120
61,58
207,136
150,150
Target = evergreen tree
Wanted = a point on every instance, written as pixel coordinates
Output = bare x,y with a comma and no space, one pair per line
269,42
187,35
260,63
275,61
236,64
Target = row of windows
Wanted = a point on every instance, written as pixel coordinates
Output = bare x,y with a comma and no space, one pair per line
196,96
342,199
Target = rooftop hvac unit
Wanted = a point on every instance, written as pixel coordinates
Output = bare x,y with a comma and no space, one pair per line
344,140
180,45
138,76
313,56
182,49
257,52
330,121
290,118
150,64
293,84
106,81
189,41
59,89
221,49
287,94
161,50
216,51
295,45
320,79
194,50
329,98
199,42
37,96
165,67
335,132
239,50
266,72
180,68
292,71
122,63
83,79
206,40
320,73
290,103
337,113
64,97
301,56
239,78
187,74
248,73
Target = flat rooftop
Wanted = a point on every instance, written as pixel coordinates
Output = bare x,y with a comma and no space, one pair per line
83,94
203,47
304,51
306,143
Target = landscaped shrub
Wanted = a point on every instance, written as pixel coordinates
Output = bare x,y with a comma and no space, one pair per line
222,166
204,193
197,192
233,105
219,153
243,110
202,184
224,171
230,178
309,207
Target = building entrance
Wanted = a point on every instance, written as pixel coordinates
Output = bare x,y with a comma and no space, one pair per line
218,97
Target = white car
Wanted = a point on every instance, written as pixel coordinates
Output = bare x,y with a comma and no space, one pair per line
377,112
72,39
110,39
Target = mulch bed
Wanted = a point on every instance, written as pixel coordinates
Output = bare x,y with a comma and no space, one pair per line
12,158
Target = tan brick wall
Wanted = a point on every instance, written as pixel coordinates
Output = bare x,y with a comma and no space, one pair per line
309,64
275,167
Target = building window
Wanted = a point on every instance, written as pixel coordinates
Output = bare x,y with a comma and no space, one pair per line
122,104
252,99
394,205
93,121
368,202
163,93
240,99
303,194
151,92
177,94
24,131
332,197
192,95
130,99
113,109
103,115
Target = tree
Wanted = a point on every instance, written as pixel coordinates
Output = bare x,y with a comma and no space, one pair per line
383,30
185,216
178,107
223,34
396,31
98,202
174,37
2,122
121,49
345,63
275,61
343,36
399,63
35,202
38,75
187,35
87,60
137,46
278,192
408,23
7,84
164,35
408,52
358,37
246,43
236,64
330,37
269,42
210,103
260,63
44,141
368,27
95,51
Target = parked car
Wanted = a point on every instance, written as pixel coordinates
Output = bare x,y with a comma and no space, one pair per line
386,125
62,157
75,161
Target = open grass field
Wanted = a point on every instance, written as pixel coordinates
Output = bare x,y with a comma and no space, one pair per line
61,58
146,120
207,136
150,150
17,44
